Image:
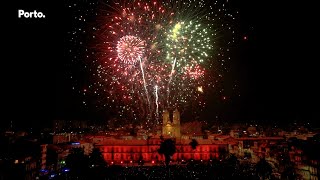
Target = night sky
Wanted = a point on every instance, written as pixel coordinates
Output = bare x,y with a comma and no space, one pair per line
273,63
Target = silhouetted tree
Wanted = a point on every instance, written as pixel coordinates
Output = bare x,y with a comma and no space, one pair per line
233,160
223,153
230,167
78,162
96,158
167,148
194,143
264,169
98,166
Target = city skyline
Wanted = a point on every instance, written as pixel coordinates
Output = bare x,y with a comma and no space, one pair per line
160,89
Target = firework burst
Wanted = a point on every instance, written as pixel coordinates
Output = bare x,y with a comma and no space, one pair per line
154,55
130,49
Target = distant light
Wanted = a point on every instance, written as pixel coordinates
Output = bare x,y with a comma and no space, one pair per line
75,143
66,170
112,162
43,170
130,161
245,37
152,162
200,89
121,162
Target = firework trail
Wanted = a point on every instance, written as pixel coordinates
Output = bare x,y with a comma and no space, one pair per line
157,103
144,83
171,74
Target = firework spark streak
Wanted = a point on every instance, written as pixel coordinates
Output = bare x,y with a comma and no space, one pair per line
147,55
157,105
171,74
144,82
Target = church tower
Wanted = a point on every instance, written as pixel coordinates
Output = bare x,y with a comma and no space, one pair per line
176,123
171,126
166,117
176,117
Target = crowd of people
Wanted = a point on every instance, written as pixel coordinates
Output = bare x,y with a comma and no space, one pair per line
189,171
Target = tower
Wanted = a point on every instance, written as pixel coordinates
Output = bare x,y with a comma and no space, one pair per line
176,123
166,117
171,127
176,117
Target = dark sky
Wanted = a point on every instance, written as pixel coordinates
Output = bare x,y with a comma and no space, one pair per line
275,67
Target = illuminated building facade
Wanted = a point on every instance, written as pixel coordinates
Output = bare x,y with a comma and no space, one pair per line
124,151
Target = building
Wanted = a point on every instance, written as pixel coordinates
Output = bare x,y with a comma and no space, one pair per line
20,158
118,151
132,150
61,126
65,137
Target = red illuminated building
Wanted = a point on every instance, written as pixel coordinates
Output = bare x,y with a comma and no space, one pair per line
125,151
